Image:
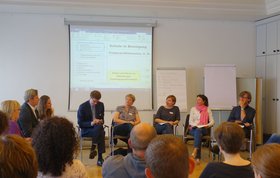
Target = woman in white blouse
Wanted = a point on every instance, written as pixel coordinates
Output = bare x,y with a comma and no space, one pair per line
200,119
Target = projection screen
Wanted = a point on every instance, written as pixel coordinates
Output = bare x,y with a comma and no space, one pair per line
116,60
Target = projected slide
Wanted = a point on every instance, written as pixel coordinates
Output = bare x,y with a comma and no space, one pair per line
115,60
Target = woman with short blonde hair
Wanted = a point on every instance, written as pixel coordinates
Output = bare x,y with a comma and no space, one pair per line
125,117
12,110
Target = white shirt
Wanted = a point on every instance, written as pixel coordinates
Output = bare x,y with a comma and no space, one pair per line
76,170
195,117
33,109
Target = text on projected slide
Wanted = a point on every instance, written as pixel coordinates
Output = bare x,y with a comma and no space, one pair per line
102,58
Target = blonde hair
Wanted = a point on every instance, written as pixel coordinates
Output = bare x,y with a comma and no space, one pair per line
17,157
265,160
130,96
9,107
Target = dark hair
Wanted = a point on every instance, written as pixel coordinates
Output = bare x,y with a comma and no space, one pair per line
172,97
167,157
43,112
204,99
56,143
95,94
17,158
3,122
246,93
265,160
229,136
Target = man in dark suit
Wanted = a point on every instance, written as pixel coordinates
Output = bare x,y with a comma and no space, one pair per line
90,119
28,117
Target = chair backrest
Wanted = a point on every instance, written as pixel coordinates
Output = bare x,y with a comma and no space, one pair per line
186,128
154,118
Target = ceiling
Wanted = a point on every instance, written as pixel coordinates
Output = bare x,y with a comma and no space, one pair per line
247,10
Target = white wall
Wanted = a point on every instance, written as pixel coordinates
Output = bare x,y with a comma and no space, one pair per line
34,53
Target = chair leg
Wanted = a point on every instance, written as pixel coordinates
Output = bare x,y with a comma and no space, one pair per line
81,148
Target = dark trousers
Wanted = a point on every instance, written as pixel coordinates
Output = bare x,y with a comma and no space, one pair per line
164,129
197,133
98,136
123,130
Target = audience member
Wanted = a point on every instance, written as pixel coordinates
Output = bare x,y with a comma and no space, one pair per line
133,164
125,117
167,157
28,117
90,119
12,109
274,138
17,158
243,114
200,119
56,143
229,137
167,116
265,161
4,124
44,107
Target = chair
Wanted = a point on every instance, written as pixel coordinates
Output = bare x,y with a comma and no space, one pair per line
251,141
174,126
187,136
113,137
85,139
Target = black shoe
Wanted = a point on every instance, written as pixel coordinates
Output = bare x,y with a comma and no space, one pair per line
92,154
100,162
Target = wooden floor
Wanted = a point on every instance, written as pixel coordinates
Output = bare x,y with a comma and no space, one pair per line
95,172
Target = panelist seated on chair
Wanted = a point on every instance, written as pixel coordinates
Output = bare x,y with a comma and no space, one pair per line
28,117
90,119
200,120
125,117
167,116
243,114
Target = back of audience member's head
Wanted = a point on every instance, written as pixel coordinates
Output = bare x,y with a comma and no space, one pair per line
17,158
167,157
265,161
141,135
30,94
229,137
9,107
3,122
55,142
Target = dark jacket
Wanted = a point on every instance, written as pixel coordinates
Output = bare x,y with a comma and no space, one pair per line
27,120
84,114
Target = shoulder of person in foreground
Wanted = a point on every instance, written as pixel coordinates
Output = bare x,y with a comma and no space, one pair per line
113,167
77,169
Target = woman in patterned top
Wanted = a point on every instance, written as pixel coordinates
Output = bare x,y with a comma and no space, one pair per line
126,117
